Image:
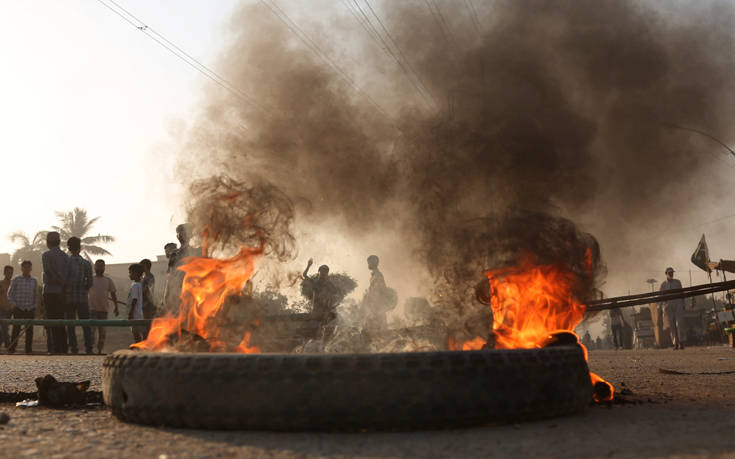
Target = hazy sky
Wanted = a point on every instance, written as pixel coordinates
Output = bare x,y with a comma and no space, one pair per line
88,102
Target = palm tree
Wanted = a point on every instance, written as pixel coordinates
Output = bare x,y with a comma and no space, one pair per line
77,223
30,249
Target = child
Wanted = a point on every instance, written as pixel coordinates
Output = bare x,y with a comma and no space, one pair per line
23,296
103,289
135,300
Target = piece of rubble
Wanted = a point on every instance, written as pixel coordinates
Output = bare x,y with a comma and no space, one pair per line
56,394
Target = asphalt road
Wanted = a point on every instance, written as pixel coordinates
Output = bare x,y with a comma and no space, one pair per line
674,416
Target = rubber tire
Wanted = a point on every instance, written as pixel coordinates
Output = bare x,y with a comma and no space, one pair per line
401,391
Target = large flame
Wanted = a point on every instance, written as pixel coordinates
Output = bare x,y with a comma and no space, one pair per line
531,303
208,282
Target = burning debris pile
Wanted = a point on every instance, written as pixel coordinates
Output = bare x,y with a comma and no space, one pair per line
255,220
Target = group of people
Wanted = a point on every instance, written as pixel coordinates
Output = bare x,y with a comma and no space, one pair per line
376,303
70,291
670,311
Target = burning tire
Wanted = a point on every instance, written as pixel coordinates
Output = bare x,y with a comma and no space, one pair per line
346,391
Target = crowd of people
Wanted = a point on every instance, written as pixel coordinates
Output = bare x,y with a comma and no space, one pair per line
73,288
70,290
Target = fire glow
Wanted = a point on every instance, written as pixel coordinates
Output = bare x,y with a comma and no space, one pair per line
208,282
530,303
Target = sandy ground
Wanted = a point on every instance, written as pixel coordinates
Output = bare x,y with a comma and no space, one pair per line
679,416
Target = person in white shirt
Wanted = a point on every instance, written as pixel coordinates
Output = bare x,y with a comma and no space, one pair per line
673,311
135,301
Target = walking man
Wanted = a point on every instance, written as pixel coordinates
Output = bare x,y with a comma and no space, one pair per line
79,283
103,289
23,296
616,326
377,301
673,311
55,275
6,308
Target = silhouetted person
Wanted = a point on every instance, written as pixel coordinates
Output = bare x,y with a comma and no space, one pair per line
55,278
79,283
176,277
149,288
377,301
587,339
169,292
103,290
323,298
23,295
616,326
673,311
6,309
135,301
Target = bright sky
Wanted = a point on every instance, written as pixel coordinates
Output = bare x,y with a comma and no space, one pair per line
88,102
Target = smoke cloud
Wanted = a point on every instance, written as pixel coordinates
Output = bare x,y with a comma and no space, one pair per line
504,122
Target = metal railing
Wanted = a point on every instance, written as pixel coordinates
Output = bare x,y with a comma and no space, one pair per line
77,322
656,297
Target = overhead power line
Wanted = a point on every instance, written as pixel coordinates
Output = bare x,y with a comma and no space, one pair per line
473,15
304,38
443,24
408,69
171,47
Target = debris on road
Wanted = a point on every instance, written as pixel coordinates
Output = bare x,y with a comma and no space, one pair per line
677,372
56,394
29,403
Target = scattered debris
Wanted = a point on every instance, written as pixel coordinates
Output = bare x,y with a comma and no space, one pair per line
15,397
677,372
29,403
56,394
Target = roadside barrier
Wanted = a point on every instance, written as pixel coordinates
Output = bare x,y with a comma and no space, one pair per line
77,322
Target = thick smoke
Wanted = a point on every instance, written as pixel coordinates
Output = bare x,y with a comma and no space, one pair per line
502,123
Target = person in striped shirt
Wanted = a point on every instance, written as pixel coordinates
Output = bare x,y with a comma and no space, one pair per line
23,296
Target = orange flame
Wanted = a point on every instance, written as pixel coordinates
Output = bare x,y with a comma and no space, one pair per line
207,283
531,302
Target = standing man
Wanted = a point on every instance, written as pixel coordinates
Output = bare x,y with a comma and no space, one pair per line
79,283
377,302
616,326
55,275
176,277
135,301
6,308
23,295
168,300
149,287
673,311
102,291
323,298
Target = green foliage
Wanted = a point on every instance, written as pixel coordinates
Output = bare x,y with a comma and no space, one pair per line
343,284
30,249
271,301
77,223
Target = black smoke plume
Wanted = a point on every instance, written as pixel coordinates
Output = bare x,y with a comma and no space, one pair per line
505,120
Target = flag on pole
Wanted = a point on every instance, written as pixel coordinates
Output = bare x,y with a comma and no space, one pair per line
700,257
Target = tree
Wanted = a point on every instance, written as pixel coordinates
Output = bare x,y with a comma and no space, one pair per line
77,223
30,249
